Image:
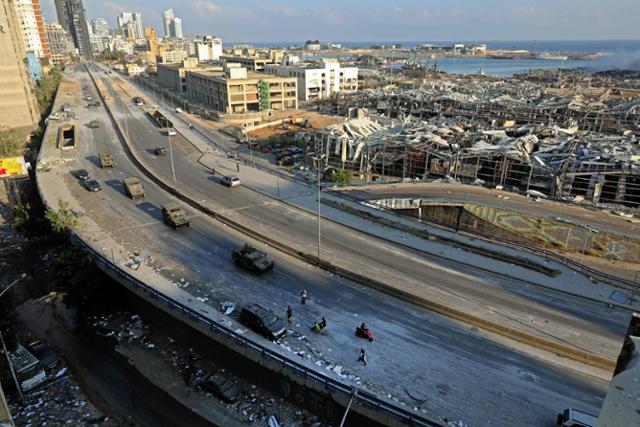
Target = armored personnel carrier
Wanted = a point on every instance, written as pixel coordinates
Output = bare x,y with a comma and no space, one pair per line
106,161
133,188
174,215
252,259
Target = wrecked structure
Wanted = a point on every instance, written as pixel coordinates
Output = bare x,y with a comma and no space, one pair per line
509,133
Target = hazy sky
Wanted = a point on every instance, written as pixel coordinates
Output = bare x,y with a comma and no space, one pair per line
367,20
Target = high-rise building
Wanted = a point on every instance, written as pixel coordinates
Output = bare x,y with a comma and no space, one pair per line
60,44
131,23
152,40
167,19
100,27
18,108
32,27
72,18
176,28
172,25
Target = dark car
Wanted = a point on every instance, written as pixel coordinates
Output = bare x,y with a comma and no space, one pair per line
81,174
44,354
221,387
160,151
263,321
92,185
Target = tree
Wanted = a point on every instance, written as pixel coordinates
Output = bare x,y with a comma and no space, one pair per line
62,219
10,143
341,175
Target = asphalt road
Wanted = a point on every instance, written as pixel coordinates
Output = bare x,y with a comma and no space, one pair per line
558,315
462,374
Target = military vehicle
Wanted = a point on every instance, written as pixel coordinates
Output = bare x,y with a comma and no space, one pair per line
160,151
94,124
174,215
252,259
133,188
106,161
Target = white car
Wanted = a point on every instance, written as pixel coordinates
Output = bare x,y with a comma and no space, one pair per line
230,181
171,132
178,110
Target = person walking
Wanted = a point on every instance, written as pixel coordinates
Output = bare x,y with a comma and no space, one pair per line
362,357
238,167
303,296
289,313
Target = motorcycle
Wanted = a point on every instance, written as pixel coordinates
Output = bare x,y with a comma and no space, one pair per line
364,333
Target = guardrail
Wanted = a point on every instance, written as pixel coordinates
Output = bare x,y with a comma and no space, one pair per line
362,397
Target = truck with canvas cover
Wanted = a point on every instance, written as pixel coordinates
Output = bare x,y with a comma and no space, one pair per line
174,215
252,259
106,161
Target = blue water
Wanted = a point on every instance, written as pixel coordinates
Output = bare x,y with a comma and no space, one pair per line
622,54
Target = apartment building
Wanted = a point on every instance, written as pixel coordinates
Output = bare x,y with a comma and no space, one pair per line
60,44
172,56
208,48
71,15
237,91
174,76
18,108
32,27
318,80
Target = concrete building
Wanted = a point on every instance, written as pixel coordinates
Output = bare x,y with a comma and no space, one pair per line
312,45
100,27
208,48
99,43
152,41
174,76
72,17
236,91
32,27
131,24
60,44
318,80
172,25
18,107
33,66
251,63
172,56
120,44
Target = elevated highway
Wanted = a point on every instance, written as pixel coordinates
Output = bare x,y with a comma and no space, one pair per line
416,352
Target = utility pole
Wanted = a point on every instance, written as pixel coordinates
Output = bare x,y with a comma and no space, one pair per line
173,169
319,167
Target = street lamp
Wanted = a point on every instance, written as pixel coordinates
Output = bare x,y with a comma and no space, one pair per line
4,347
173,169
319,158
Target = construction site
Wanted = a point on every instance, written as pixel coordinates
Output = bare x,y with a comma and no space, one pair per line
567,135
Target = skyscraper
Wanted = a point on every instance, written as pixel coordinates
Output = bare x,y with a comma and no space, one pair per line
18,108
172,25
132,24
72,18
176,28
167,19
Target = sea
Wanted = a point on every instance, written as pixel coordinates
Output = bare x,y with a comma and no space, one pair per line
616,54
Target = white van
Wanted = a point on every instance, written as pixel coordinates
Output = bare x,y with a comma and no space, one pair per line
171,132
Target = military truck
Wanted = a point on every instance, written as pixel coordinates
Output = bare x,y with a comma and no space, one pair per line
106,161
94,124
174,215
252,259
133,188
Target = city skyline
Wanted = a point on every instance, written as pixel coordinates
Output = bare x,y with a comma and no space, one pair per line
349,20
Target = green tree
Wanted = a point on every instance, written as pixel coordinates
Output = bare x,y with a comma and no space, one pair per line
21,216
63,218
341,175
10,143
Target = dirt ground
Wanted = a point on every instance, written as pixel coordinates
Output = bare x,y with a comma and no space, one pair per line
318,121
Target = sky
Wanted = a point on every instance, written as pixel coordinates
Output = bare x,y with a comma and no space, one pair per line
375,20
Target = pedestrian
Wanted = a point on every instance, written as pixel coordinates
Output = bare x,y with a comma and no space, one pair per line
289,313
303,296
238,167
362,357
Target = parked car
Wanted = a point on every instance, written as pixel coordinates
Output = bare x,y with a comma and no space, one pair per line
160,151
91,185
576,418
221,387
171,132
263,321
178,110
230,181
47,357
94,124
81,174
